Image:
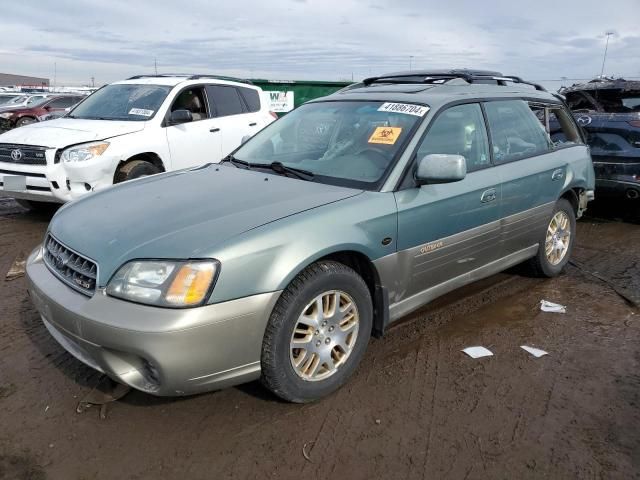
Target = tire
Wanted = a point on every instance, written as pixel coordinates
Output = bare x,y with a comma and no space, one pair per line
25,121
336,283
135,169
546,264
45,207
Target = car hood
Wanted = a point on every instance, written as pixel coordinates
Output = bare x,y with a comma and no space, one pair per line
182,214
63,132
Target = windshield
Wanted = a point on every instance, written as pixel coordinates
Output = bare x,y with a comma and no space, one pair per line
34,101
18,100
123,101
4,99
341,143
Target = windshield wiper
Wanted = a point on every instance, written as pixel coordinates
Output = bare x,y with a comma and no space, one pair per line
236,161
277,167
282,169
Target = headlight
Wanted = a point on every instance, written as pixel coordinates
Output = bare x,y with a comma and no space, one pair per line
165,283
6,115
81,153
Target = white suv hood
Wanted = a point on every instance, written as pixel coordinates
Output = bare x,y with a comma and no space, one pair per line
68,131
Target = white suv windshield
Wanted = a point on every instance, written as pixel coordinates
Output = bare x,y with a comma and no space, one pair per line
343,143
123,101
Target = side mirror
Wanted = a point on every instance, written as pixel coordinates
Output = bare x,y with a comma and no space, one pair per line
245,139
180,116
441,168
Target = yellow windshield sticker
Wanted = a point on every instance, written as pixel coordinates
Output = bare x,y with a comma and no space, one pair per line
385,135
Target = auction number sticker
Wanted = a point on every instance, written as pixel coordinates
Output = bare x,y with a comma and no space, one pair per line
141,111
385,135
408,108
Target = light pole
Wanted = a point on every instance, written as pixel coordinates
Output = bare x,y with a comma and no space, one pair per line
608,34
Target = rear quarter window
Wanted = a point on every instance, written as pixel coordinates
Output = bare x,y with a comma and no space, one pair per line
251,98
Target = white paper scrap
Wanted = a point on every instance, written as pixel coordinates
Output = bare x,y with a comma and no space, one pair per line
547,306
536,352
477,352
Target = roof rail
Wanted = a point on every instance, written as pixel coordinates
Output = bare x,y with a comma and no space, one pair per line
443,76
191,76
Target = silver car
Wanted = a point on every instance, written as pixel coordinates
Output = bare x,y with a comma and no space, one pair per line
325,227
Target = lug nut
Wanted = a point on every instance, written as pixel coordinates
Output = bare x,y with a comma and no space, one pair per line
317,332
324,323
318,343
327,341
331,328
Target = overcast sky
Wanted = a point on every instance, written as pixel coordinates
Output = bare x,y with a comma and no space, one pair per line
316,39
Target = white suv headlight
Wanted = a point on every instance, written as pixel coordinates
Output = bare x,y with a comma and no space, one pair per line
165,283
81,153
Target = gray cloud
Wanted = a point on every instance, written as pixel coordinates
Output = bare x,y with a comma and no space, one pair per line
316,39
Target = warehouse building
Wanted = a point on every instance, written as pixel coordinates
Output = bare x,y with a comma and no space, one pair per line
9,80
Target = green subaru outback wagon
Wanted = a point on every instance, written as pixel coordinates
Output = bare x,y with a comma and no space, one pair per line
282,261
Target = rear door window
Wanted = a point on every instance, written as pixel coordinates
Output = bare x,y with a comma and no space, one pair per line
224,100
516,132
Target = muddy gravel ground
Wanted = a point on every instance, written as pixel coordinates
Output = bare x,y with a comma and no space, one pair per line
416,408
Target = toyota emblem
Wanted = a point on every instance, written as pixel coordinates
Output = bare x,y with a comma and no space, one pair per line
16,155
584,120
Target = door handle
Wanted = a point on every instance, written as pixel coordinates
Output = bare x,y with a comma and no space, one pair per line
557,174
488,195
214,130
253,124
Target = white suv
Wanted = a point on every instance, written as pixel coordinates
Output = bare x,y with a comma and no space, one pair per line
137,127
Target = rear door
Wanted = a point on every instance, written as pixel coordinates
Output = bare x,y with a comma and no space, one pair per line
532,171
447,230
231,116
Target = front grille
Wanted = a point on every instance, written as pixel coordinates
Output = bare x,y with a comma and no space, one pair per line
77,271
22,154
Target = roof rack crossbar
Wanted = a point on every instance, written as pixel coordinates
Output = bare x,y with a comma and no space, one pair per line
430,78
190,76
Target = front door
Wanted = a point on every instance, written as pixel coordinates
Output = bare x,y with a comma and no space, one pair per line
447,230
196,142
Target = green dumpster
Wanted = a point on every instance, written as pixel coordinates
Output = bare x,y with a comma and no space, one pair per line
285,95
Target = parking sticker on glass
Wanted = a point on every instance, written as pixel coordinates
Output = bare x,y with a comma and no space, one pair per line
141,111
408,108
385,135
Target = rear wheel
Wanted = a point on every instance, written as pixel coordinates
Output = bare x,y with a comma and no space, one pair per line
135,169
557,243
317,334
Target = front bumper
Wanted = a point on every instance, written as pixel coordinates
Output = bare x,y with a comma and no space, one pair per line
161,351
60,182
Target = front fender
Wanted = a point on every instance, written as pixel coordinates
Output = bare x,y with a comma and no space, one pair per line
269,257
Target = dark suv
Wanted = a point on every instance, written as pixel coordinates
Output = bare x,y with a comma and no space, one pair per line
24,115
609,112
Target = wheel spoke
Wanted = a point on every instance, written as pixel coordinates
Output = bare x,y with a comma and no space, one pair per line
324,336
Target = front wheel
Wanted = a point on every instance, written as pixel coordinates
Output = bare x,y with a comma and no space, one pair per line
557,243
317,334
25,121
34,206
135,169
